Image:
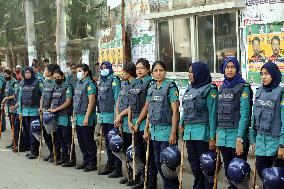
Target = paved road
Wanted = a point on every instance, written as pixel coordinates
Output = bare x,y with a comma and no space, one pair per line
18,172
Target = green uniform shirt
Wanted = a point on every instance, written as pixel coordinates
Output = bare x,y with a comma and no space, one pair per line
29,111
202,131
2,82
228,137
267,145
108,117
65,120
39,76
79,118
143,122
162,132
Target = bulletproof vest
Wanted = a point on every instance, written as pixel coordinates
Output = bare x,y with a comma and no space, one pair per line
16,97
160,111
267,111
71,80
2,90
195,105
30,94
137,97
10,92
124,96
229,106
106,99
59,98
47,91
80,98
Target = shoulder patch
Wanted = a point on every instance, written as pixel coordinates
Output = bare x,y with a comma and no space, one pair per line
114,84
40,84
89,88
282,102
213,95
244,95
176,93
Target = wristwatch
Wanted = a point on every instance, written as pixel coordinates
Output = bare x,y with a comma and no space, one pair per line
240,139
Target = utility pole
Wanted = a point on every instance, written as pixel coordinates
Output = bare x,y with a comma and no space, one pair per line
124,58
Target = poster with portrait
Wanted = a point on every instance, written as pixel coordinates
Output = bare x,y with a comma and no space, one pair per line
265,43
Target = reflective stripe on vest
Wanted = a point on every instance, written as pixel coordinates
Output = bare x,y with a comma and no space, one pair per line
267,111
194,106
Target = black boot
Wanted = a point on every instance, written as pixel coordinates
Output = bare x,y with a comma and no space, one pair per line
139,185
10,145
69,164
108,170
64,159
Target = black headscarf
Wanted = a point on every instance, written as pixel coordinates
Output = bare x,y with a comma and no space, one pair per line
33,76
201,74
275,73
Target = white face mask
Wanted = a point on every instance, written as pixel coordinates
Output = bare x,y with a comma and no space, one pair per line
104,72
80,75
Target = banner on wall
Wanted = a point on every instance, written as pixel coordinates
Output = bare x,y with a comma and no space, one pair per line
110,47
265,43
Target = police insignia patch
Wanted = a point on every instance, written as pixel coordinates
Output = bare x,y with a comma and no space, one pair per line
114,84
176,93
244,95
213,95
282,103
89,88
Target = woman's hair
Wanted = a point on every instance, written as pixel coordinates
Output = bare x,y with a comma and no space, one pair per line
145,63
130,68
52,67
58,71
161,63
8,71
86,68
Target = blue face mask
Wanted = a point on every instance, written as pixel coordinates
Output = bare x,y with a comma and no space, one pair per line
104,72
80,75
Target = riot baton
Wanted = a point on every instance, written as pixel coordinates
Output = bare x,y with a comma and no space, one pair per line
254,175
133,156
147,162
216,169
53,147
1,117
20,132
73,139
41,136
181,165
101,146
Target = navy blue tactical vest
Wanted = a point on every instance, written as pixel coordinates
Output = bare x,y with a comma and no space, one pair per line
10,92
194,105
106,99
80,98
267,112
160,111
123,102
59,98
48,87
30,94
229,106
72,80
137,97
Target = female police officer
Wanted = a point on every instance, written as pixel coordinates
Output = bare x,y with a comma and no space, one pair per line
29,100
234,110
122,108
84,102
137,120
198,122
267,131
163,111
108,91
61,105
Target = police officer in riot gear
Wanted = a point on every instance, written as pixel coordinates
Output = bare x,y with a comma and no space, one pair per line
45,104
234,110
108,91
163,102
198,122
84,102
29,101
137,121
61,105
267,129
